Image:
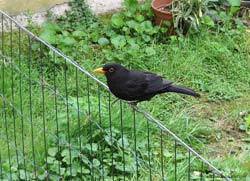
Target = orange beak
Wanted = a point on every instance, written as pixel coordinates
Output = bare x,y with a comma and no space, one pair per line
99,70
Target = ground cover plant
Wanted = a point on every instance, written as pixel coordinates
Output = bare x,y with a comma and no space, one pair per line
214,61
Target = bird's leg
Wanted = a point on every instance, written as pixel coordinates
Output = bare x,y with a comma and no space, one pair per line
114,101
133,104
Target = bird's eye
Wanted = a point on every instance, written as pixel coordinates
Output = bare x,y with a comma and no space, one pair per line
111,70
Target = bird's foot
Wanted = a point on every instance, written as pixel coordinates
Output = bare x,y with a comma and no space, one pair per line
132,104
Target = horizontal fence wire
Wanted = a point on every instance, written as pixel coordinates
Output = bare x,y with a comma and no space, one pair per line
58,121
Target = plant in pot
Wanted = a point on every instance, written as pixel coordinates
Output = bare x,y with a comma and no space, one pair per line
182,14
163,14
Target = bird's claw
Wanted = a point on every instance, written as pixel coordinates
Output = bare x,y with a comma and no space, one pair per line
132,104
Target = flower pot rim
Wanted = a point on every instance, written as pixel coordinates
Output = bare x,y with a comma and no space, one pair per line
157,8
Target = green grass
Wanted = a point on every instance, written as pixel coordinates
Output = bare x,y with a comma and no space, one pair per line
214,63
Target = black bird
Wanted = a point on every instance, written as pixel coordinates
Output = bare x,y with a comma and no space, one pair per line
136,85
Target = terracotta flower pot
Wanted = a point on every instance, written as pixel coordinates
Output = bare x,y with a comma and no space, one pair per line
162,15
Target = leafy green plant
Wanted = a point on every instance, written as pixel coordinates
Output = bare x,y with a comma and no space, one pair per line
186,14
93,158
79,16
132,26
247,124
191,14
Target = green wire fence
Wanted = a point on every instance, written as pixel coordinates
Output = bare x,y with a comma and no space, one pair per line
58,123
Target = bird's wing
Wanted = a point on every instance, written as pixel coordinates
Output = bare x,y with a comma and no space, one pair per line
136,84
146,83
156,83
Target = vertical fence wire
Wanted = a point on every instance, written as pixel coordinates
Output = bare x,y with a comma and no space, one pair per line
78,118
43,82
110,121
162,161
100,123
21,102
135,146
4,105
202,167
175,160
30,107
149,151
67,112
189,165
56,109
111,135
12,95
122,137
90,130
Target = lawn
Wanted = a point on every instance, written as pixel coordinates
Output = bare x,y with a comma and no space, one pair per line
59,112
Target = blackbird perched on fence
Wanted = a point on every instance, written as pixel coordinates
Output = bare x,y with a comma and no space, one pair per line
136,85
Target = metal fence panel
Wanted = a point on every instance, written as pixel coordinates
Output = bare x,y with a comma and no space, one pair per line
59,122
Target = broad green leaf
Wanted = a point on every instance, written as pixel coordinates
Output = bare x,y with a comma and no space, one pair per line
139,28
124,141
117,20
78,33
48,26
118,41
148,27
85,48
108,140
67,160
84,170
66,155
62,170
126,30
52,151
35,46
66,33
84,159
22,174
14,168
41,177
119,166
74,169
96,162
131,4
69,41
234,9
54,167
130,164
146,38
49,36
50,160
94,147
139,18
103,41
234,2
207,21
94,36
131,23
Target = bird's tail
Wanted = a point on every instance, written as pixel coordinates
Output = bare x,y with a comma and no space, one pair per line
182,90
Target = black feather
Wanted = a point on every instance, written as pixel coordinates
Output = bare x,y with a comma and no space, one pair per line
136,85
182,90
